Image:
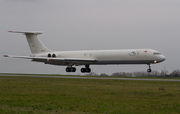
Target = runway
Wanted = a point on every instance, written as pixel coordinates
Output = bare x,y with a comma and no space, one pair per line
100,78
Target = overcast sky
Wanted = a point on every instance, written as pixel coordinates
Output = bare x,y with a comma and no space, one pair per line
90,25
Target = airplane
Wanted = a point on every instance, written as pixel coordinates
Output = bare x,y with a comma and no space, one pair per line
40,53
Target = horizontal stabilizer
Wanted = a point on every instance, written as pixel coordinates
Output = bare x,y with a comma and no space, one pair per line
27,32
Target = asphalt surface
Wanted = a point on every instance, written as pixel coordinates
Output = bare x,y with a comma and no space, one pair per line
109,78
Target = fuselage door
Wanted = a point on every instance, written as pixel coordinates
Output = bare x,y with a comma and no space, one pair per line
137,53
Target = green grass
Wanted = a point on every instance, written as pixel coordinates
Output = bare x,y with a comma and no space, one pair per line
26,95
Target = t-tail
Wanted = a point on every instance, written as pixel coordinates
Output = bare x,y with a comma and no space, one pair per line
35,45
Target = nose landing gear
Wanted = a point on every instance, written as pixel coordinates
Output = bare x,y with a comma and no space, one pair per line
149,70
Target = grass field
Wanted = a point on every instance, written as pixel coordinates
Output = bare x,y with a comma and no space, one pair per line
26,95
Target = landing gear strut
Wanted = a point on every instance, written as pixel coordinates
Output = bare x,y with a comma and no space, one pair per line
70,69
149,70
86,69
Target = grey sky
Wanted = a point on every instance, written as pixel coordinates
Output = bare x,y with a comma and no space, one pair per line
90,25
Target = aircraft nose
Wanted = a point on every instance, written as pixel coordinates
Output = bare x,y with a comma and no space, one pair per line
162,58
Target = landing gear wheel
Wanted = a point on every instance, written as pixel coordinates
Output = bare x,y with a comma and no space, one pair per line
83,70
68,69
73,69
88,70
148,70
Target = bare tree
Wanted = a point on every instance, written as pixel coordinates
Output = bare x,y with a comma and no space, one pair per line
155,73
92,74
103,74
163,72
119,74
175,73
140,74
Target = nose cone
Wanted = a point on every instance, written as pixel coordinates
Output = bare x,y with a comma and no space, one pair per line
161,58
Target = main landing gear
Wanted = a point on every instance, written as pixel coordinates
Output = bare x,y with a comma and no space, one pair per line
70,69
86,69
83,70
149,70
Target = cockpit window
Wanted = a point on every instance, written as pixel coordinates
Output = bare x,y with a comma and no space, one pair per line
156,53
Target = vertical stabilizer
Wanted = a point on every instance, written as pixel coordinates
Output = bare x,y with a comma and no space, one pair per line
35,45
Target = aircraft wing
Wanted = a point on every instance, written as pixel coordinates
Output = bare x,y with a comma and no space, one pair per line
57,61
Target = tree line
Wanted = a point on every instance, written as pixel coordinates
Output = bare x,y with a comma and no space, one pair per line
154,73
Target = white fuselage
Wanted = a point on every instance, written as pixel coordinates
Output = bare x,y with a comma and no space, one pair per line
127,56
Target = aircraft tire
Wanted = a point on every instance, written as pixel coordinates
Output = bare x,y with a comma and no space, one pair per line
68,69
73,69
88,70
83,70
149,70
